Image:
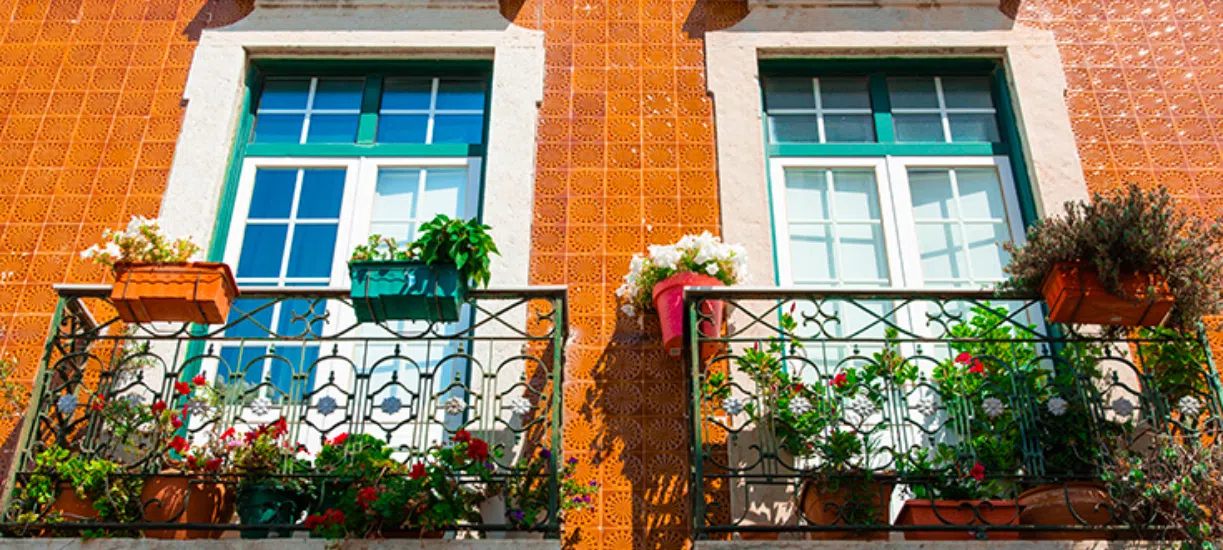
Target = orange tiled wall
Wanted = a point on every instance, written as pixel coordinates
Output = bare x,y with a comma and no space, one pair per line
90,94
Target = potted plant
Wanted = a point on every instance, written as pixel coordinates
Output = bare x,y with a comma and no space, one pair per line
950,489
657,281
273,487
156,279
1127,258
527,494
1171,490
67,486
425,281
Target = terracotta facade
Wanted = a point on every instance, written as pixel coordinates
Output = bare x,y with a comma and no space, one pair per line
90,94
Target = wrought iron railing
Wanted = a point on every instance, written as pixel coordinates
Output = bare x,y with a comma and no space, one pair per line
852,414
299,354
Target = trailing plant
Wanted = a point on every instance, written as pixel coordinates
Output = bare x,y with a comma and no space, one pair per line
142,242
528,493
1127,231
466,243
704,254
113,495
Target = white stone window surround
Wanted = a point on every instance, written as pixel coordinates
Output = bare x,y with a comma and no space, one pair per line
217,80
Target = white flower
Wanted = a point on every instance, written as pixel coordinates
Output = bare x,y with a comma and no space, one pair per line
454,405
199,406
91,252
861,406
326,405
111,249
800,406
391,405
927,405
1057,406
520,405
712,269
993,407
735,405
629,310
1123,406
1190,406
636,265
666,257
67,403
260,406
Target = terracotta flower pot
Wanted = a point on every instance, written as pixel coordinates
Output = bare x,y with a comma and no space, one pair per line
1051,505
669,301
1075,295
71,506
199,292
173,499
825,505
958,513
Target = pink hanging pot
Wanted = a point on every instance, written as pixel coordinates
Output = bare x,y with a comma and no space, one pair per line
669,301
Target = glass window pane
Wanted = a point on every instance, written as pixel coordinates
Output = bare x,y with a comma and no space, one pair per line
458,128
322,193
794,129
849,128
967,92
262,250
942,255
973,127
313,249
856,195
278,128
285,93
406,93
844,93
811,258
980,193
249,320
789,93
862,246
395,194
243,363
272,196
332,129
931,194
402,128
295,313
806,194
460,94
293,359
913,93
333,93
444,193
918,127
402,232
985,249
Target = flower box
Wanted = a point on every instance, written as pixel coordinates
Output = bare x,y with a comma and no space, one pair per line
196,292
171,497
958,513
1075,295
1073,504
406,290
829,503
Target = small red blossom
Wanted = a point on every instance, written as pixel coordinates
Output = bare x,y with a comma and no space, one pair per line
302,449
159,407
477,450
339,439
214,464
193,462
279,427
461,436
333,517
417,471
199,380
313,521
98,404
182,388
839,380
963,358
367,496
977,472
798,388
977,367
179,444
176,421
228,434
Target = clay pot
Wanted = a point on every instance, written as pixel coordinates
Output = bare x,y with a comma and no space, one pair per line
1051,505
198,292
958,512
669,301
171,498
1075,295
72,506
824,505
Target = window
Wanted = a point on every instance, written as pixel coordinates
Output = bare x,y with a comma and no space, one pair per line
330,160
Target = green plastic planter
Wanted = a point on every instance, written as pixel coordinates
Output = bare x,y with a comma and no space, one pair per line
407,290
268,505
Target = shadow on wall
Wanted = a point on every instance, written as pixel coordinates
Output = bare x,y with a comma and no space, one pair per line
217,13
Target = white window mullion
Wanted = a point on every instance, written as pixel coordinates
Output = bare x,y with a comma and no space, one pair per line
432,110
942,107
819,110
309,108
959,206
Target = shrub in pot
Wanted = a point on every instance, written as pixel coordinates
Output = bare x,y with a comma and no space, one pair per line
273,488
156,279
68,487
948,490
526,498
428,279
1127,258
656,281
1171,490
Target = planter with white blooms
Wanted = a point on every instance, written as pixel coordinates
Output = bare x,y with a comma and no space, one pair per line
657,281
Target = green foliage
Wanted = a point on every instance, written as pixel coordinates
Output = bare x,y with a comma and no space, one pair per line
383,249
1124,232
115,497
466,243
13,394
1174,361
528,495
1176,483
268,458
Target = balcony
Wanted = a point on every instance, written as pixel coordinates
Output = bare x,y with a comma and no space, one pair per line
877,415
294,366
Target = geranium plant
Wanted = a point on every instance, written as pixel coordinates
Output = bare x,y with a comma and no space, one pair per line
142,242
703,254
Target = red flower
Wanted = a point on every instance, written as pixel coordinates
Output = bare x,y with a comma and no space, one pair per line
798,387
840,380
977,472
98,404
182,388
214,464
179,444
279,427
417,472
333,517
313,521
477,450
159,407
176,421
339,439
963,358
199,380
977,367
193,462
367,496
228,434
461,436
